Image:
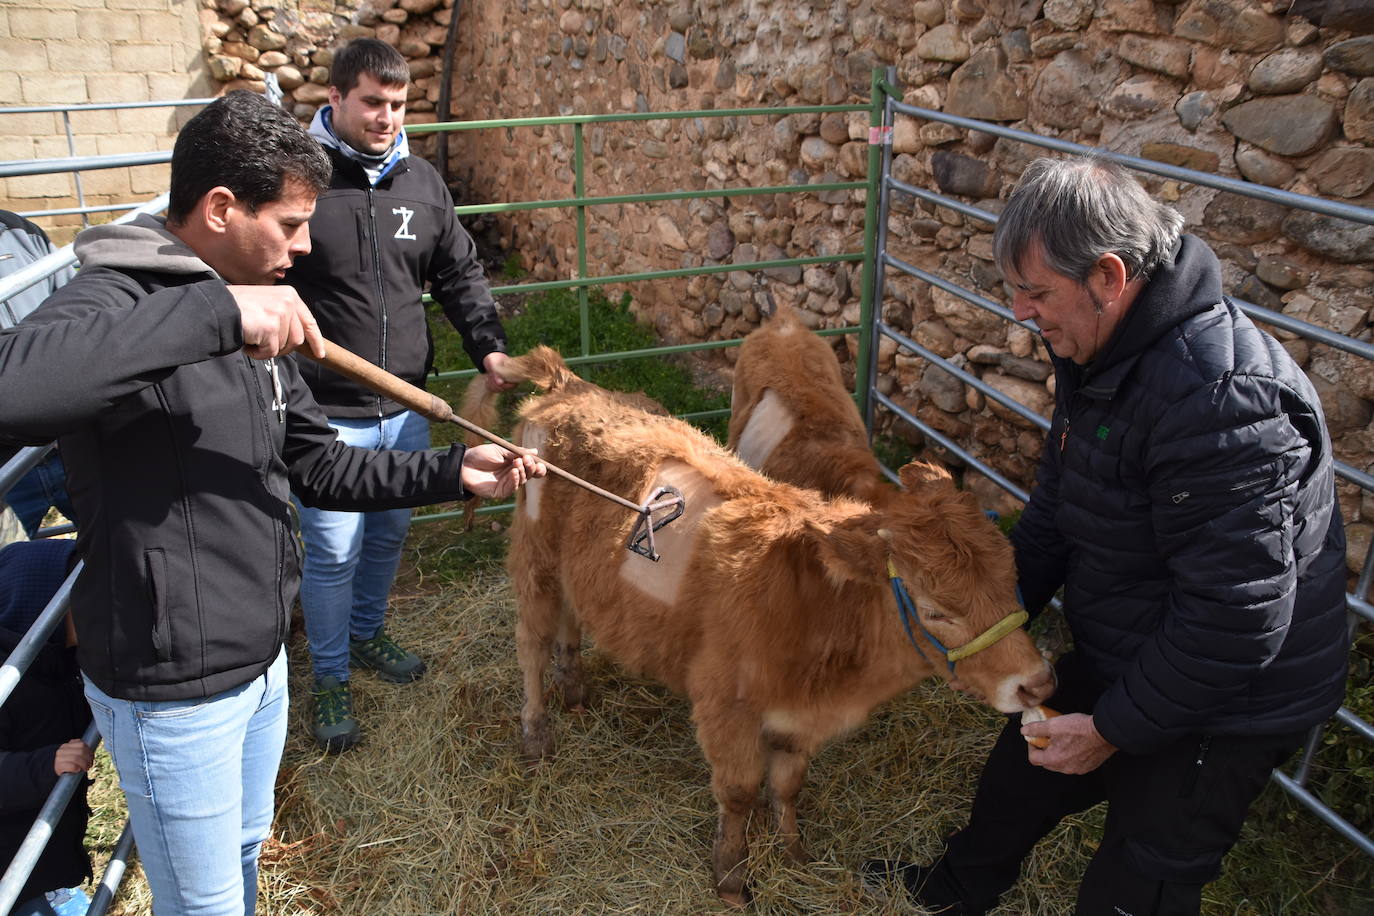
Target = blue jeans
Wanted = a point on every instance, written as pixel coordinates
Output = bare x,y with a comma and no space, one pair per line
351,557
198,776
44,486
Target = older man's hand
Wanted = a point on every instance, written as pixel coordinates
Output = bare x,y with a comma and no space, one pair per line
1075,744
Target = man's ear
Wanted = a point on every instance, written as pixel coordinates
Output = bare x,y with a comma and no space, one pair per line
1109,277
335,96
215,207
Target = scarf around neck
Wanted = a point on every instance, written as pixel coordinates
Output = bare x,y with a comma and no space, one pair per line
376,167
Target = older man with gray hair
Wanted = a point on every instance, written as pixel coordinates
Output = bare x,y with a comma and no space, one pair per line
1185,502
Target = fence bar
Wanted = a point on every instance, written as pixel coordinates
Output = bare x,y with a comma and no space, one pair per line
667,274
76,176
1220,183
458,374
882,135
24,460
630,116
114,873
977,213
1348,718
103,106
1319,808
968,295
580,189
1305,329
27,649
22,865
868,284
76,211
953,447
1359,606
20,167
967,378
653,196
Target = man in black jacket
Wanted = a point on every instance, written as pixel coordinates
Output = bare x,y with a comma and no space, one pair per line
159,369
383,230
1185,502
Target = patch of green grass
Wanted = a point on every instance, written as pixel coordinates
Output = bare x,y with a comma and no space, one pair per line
513,268
552,319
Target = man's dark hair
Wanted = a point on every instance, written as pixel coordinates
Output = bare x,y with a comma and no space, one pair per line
367,55
248,145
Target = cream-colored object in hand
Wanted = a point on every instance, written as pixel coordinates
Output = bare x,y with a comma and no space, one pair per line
1037,714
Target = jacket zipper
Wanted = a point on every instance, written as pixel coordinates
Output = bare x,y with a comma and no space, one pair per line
381,287
263,411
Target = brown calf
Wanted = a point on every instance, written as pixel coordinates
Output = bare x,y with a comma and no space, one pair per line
791,417
771,608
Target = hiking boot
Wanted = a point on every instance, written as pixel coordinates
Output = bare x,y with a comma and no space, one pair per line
390,661
878,875
335,729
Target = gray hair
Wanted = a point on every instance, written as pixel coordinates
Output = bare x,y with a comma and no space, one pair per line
1077,210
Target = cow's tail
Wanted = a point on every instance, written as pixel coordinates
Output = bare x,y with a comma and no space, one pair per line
542,366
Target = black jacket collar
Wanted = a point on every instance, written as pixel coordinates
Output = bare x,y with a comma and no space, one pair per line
1187,283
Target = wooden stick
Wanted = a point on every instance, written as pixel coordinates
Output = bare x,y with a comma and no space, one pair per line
435,408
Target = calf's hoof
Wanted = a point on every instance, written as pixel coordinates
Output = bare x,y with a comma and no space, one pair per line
536,743
739,898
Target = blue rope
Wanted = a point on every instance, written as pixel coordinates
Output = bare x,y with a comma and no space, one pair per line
907,609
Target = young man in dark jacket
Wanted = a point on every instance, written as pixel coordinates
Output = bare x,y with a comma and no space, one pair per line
1186,504
159,369
383,231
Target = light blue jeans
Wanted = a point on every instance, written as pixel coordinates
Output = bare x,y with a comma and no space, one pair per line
198,776
351,557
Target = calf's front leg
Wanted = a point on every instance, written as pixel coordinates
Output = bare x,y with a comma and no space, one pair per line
533,640
729,738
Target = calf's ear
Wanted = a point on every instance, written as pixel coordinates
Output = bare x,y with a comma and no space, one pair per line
848,553
920,475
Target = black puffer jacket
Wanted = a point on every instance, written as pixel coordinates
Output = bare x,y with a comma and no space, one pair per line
1186,501
375,250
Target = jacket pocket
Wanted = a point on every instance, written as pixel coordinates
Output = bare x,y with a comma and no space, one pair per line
155,570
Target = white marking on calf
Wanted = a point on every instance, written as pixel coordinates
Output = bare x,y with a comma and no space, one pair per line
675,542
769,422
532,436
820,722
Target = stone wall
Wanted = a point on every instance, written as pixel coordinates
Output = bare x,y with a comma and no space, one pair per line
1278,92
64,52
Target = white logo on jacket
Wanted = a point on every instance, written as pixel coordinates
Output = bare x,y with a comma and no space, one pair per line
404,232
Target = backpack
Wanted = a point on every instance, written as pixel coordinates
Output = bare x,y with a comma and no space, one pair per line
22,243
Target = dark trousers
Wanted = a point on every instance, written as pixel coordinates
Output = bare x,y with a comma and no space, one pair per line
1171,817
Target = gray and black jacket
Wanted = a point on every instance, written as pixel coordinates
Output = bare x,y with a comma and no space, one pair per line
1186,503
374,251
179,465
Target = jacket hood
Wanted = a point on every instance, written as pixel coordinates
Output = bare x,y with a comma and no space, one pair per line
1185,284
142,244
